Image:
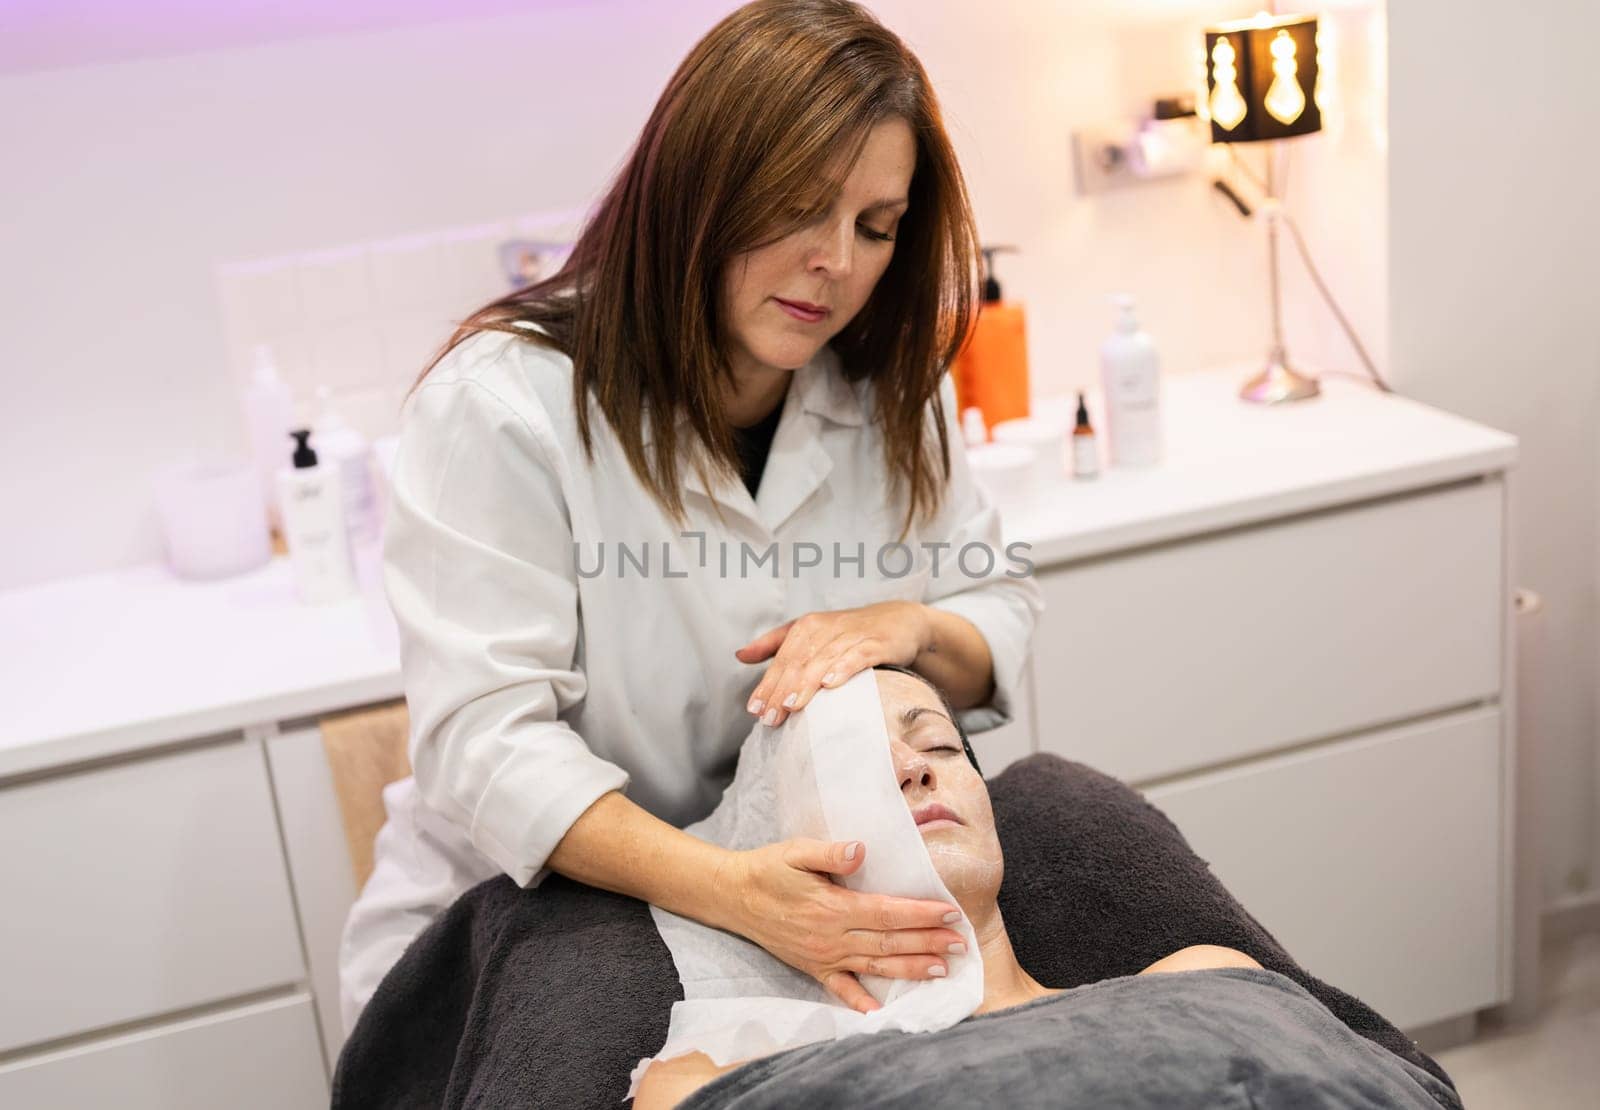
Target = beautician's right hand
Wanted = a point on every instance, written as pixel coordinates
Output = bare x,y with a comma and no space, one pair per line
782,899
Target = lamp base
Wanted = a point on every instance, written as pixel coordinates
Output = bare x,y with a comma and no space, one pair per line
1278,382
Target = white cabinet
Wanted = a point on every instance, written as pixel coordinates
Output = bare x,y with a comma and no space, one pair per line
1375,862
257,1057
319,864
140,889
1293,637
1315,703
1163,660
149,949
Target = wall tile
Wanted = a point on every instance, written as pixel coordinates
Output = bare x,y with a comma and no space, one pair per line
335,285
409,340
346,356
406,273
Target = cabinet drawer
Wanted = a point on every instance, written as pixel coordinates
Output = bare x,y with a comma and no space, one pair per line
260,1057
1376,862
140,889
1176,658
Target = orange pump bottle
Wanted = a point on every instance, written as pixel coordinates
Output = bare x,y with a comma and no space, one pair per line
991,370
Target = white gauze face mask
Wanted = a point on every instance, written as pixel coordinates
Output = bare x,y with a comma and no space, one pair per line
825,773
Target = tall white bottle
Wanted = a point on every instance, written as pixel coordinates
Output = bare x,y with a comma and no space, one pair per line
312,501
1130,373
346,451
269,414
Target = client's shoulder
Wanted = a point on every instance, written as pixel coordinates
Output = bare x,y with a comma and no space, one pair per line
1201,957
668,1082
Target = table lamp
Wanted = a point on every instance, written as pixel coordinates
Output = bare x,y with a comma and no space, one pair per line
1261,79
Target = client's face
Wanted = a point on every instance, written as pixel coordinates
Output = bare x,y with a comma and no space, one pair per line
946,795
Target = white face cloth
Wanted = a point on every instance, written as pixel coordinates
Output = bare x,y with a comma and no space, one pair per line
825,773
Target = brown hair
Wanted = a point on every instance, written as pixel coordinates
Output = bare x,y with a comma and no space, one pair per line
734,156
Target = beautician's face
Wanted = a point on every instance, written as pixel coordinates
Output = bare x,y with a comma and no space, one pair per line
946,795
833,262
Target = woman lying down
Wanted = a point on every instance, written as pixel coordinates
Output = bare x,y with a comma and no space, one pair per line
1205,1026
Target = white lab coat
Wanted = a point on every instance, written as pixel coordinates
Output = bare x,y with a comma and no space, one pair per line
536,685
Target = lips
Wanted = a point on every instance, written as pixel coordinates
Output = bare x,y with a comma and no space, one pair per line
935,811
805,305
803,310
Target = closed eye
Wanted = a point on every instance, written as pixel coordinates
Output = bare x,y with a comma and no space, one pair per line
877,236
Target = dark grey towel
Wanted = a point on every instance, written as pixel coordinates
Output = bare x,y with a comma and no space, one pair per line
1226,1038
549,997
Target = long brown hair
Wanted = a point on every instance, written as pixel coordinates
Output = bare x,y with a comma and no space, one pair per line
737,153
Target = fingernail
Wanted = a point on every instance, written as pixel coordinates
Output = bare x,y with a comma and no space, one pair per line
938,971
788,702
952,917
828,678
957,949
770,717
852,850
755,706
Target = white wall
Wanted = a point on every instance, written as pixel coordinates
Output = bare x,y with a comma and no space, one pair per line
125,183
1495,314
128,182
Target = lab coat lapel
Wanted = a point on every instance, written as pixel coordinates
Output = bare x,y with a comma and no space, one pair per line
797,466
798,462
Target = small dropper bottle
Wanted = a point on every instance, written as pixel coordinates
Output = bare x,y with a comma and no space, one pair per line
1085,451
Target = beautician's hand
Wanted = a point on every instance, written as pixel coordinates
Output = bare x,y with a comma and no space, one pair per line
827,648
780,897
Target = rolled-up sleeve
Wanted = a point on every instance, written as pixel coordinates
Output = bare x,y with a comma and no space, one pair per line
478,568
998,595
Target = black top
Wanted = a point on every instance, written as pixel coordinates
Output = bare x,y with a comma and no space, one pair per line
754,443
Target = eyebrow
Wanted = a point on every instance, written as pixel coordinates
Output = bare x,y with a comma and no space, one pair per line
909,715
886,203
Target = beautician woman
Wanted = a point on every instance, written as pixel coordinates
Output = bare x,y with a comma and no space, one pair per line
646,502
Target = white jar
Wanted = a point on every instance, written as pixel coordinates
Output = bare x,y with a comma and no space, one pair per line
1045,442
1006,473
212,517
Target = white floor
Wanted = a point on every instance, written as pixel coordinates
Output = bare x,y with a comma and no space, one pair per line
1550,1063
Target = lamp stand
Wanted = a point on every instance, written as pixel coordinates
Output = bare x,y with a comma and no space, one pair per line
1278,381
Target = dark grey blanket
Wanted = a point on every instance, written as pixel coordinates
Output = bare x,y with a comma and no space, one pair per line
1232,1037
548,997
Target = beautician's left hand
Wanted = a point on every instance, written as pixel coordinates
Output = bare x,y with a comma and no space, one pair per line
827,648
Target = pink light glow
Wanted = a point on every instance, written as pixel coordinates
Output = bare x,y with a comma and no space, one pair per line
46,34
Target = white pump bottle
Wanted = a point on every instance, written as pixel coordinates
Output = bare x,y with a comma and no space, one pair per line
1131,377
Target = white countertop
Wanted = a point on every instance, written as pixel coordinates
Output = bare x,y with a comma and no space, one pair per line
1230,463
115,663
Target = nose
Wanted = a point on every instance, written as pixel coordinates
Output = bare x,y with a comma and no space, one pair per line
831,254
911,766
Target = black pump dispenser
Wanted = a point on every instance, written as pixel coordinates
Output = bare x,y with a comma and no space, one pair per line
304,457
1083,412
991,284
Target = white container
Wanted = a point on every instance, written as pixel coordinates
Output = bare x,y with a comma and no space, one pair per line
1131,374
314,527
1007,474
212,517
269,414
346,451
973,430
1045,443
